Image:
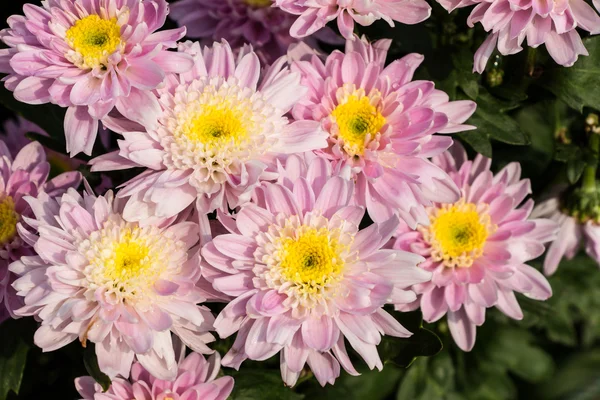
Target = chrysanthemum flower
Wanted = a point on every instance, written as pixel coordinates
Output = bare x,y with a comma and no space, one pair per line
548,22
121,285
255,22
314,15
25,175
477,247
574,230
90,56
196,380
218,129
382,125
302,276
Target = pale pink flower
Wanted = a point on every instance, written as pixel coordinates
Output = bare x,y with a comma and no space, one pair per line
383,125
477,247
254,22
25,175
196,380
549,22
220,126
314,15
570,234
121,285
302,276
90,56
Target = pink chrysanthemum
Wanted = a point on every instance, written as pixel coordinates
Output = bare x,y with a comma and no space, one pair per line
255,22
570,234
25,175
303,277
218,129
314,15
382,125
476,247
90,56
549,22
196,380
122,285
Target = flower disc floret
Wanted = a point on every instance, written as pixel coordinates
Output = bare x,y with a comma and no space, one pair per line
93,39
458,233
357,121
8,219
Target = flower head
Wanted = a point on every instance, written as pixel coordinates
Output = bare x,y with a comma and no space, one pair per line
314,15
477,247
196,379
22,176
302,276
255,22
219,127
90,56
121,285
577,213
549,22
382,125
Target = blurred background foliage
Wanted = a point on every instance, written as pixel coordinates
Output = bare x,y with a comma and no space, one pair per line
529,110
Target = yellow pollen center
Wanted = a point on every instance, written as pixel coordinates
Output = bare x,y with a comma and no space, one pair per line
311,260
8,219
258,3
215,124
356,118
95,39
458,233
129,261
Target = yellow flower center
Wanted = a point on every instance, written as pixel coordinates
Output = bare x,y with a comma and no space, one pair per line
458,233
259,3
8,219
311,259
127,260
358,120
95,39
216,124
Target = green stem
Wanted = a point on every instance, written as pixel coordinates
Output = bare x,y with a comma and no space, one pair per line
589,173
530,65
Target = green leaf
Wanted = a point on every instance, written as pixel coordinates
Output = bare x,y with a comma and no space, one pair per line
13,358
255,384
491,119
577,378
479,141
579,85
575,168
566,152
91,365
403,351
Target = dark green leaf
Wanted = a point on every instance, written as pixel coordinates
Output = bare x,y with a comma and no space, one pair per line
578,378
91,365
490,119
575,168
566,152
255,384
403,351
579,85
479,141
13,357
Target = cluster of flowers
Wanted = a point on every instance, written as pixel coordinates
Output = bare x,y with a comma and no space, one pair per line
291,152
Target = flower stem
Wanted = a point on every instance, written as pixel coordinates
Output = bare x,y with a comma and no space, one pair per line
530,65
589,173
